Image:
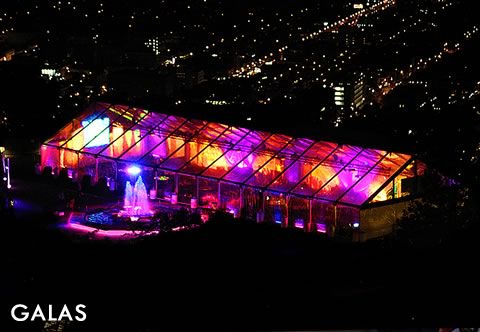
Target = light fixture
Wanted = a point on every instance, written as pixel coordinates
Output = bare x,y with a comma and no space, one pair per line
133,170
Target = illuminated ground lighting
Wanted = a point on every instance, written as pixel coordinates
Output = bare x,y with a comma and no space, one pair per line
299,224
108,233
321,228
133,170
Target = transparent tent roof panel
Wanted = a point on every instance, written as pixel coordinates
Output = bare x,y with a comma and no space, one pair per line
214,153
324,171
274,167
266,150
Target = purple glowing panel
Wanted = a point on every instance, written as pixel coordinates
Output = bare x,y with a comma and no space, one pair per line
243,159
370,182
349,174
304,167
299,223
321,228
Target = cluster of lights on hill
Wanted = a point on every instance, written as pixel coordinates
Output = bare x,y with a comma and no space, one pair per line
253,67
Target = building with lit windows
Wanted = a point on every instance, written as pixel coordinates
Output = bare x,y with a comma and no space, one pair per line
296,182
349,92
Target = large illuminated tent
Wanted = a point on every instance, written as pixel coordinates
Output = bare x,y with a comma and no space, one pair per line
297,182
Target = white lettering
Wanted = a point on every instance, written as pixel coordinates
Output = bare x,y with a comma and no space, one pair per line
20,313
37,313
81,312
65,313
24,314
50,318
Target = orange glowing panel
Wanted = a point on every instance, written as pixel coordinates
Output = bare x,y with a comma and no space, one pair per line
209,155
116,148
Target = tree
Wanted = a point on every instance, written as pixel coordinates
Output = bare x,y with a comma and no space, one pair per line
445,212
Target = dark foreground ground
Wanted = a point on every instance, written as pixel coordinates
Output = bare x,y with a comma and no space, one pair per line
232,276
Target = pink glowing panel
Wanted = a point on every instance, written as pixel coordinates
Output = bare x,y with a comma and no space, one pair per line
358,168
296,166
296,177
346,173
49,156
324,175
243,159
365,187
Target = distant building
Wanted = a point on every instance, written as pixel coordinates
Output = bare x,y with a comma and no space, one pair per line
349,92
189,77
